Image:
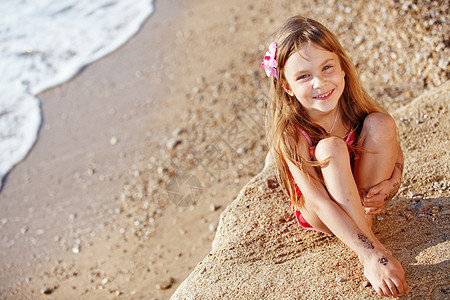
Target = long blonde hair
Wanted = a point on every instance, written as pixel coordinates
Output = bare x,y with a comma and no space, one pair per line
286,112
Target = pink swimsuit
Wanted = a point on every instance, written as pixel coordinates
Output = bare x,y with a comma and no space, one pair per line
298,215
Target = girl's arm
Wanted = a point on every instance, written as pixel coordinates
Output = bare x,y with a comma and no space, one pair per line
379,195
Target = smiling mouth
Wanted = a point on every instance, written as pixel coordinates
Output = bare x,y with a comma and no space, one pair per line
324,95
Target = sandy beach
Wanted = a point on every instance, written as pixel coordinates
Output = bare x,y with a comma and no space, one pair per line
140,153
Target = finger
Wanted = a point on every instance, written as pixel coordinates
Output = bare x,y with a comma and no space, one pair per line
378,197
371,211
372,202
362,193
373,191
376,204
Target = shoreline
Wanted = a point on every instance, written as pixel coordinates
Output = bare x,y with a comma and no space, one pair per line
23,119
65,189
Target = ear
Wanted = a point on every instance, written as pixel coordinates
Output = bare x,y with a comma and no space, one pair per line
287,89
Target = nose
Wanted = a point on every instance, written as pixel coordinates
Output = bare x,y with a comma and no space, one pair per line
319,82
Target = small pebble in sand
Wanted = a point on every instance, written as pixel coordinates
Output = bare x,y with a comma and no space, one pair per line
166,284
172,143
413,194
213,226
47,291
342,279
160,170
113,140
213,207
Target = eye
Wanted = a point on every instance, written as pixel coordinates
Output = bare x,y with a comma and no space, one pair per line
302,77
327,68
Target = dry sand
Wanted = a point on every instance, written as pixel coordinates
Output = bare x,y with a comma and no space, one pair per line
90,213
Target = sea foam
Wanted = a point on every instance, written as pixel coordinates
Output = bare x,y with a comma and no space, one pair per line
44,43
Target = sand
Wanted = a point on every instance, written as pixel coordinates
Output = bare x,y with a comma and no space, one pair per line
91,212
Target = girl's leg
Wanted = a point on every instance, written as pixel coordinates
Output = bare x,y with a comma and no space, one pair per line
379,140
339,180
340,184
381,268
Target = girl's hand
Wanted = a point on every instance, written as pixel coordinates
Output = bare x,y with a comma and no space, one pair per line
386,274
378,196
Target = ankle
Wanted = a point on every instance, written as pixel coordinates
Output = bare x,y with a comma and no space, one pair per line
376,253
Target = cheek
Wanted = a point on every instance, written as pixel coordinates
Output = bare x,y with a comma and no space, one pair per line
302,91
339,78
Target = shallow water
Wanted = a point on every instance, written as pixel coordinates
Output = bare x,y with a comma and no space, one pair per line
45,43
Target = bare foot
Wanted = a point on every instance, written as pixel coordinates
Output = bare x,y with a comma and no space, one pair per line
385,273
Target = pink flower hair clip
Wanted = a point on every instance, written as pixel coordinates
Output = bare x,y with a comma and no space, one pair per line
270,64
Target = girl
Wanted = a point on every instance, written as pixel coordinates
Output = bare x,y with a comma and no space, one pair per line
336,150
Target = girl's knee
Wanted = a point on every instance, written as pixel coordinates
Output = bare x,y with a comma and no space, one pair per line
331,147
380,126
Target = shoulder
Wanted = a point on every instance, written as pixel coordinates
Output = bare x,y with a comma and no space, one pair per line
301,143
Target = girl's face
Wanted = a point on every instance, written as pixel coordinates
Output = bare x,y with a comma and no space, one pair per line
314,75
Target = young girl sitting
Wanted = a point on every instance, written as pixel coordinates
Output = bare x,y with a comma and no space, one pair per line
336,150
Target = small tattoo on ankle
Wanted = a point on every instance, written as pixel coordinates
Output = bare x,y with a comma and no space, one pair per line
367,244
400,166
384,261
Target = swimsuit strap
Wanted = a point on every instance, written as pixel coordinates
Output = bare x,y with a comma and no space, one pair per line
349,140
305,134
350,137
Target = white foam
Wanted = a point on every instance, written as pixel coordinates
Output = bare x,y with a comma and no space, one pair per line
44,43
